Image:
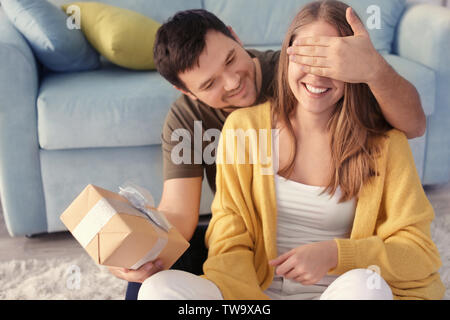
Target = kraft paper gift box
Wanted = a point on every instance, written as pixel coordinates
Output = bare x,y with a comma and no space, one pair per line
115,232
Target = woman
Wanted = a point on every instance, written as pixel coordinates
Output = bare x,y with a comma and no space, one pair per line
347,197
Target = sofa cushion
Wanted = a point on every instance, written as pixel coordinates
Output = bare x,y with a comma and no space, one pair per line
125,37
55,45
423,78
83,110
267,24
86,109
108,168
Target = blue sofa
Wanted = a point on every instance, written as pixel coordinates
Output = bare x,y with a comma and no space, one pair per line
62,131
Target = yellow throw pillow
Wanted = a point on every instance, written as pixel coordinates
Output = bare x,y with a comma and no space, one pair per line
122,36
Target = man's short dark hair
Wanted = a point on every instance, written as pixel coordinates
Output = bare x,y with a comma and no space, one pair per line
180,41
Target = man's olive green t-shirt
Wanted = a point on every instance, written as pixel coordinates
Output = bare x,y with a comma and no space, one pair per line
188,137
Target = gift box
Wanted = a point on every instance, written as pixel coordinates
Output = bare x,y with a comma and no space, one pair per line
123,229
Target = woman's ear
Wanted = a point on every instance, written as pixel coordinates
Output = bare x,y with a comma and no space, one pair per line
235,35
188,93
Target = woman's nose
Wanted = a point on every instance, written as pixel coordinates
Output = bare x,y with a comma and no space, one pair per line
313,77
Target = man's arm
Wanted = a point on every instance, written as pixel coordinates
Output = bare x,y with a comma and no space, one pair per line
180,199
180,202
354,59
399,100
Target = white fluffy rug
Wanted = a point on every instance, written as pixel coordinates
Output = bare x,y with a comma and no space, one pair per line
59,279
440,232
81,278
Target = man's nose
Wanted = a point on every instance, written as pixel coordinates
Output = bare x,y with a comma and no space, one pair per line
232,81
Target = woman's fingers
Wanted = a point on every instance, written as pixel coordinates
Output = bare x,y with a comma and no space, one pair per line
280,259
303,279
286,266
293,274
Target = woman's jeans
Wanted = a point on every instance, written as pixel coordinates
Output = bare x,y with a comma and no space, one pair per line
356,284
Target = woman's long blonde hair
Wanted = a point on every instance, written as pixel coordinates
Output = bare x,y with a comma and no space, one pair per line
356,121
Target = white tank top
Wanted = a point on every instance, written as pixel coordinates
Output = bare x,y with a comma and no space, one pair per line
304,216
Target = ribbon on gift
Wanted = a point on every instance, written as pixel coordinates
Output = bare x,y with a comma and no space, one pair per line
142,205
142,200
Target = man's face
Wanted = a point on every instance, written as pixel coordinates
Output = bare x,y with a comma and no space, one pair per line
225,76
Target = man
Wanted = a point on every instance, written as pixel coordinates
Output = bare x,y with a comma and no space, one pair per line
206,61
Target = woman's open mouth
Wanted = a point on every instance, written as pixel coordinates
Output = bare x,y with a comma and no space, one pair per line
315,92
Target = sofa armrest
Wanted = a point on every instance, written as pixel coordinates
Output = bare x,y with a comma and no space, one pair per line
20,176
423,35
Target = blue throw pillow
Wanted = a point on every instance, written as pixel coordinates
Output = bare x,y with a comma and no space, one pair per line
55,45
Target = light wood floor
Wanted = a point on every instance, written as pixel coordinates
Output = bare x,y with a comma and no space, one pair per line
63,244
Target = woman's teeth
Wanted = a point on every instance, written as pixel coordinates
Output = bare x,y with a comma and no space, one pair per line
314,89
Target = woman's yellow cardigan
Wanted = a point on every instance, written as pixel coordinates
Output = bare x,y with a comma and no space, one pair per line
391,228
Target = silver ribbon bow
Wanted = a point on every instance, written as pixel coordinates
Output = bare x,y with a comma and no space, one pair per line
142,200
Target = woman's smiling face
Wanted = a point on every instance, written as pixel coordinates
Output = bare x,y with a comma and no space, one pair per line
314,93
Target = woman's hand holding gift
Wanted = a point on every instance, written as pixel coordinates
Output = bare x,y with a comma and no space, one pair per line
307,264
